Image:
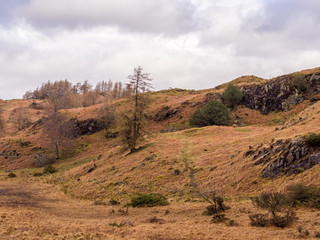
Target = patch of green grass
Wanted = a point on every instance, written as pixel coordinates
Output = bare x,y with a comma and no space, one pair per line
243,130
148,200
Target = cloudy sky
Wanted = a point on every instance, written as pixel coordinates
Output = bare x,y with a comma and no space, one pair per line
192,44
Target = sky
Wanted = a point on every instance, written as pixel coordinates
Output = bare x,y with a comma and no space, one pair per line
190,44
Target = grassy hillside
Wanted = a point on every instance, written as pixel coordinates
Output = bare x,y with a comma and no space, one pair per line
217,153
73,203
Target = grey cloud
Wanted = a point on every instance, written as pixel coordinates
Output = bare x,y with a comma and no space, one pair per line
169,17
286,14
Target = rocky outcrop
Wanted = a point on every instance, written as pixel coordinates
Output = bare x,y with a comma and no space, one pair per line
285,157
278,94
270,96
88,127
165,113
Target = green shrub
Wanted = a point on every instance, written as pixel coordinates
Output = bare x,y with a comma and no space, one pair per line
49,170
312,139
148,200
213,113
12,175
300,83
232,96
302,195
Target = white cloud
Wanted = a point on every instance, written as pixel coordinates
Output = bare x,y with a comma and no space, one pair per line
182,43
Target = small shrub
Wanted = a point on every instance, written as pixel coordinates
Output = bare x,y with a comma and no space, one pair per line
232,96
213,113
303,195
273,202
214,209
49,169
283,221
317,234
232,223
114,202
148,200
12,175
258,220
218,218
300,83
312,139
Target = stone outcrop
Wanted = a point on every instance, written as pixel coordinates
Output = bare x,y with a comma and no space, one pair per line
88,127
285,157
165,113
278,94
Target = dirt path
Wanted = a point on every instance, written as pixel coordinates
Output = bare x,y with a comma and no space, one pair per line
35,210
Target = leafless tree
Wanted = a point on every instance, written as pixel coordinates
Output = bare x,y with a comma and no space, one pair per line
20,118
2,123
58,131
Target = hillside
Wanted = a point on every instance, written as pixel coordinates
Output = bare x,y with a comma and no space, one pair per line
237,161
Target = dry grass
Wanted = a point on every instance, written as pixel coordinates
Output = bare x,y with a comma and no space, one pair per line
41,211
36,208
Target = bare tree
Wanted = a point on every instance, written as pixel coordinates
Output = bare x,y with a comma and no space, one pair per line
2,123
107,115
133,127
59,133
20,118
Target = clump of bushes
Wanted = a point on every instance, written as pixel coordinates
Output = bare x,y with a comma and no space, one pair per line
259,220
12,175
300,83
303,195
273,202
213,113
312,139
148,200
232,96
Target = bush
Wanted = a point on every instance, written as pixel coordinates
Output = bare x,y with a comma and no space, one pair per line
312,139
148,200
259,220
12,175
232,96
262,220
218,218
302,195
300,83
273,202
283,221
49,170
213,113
